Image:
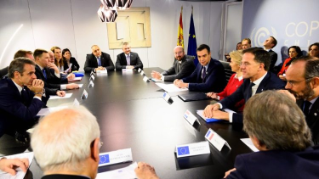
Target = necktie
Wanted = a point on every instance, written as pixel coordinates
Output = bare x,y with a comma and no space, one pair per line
203,73
44,74
99,61
178,67
306,106
250,90
128,60
24,96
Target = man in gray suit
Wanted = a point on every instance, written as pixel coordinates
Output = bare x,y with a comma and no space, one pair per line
128,59
183,66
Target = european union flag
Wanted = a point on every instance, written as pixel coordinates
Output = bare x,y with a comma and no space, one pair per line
104,159
192,45
183,150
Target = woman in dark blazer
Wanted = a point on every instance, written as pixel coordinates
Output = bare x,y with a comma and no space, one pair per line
70,63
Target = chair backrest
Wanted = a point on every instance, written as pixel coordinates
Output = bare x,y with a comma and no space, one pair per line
190,57
228,72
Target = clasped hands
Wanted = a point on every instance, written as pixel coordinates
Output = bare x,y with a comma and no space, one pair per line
212,111
179,83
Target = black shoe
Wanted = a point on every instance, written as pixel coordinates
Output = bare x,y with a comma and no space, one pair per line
22,137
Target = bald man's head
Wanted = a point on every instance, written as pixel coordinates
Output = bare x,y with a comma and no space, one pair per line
179,53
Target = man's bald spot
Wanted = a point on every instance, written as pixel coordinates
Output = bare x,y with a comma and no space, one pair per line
179,47
94,46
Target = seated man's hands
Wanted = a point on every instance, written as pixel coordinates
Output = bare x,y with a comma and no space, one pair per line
129,67
99,68
156,75
180,83
60,93
212,111
212,95
54,67
228,172
70,76
72,86
145,171
9,165
37,87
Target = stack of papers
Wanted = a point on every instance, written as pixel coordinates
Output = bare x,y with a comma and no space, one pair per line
76,79
67,95
20,174
46,111
170,87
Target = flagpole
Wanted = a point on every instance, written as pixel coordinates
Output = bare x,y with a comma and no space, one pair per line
192,9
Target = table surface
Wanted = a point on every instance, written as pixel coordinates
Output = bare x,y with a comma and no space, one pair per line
132,114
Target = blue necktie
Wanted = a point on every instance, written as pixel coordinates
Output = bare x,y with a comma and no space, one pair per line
44,74
128,60
306,106
99,61
203,73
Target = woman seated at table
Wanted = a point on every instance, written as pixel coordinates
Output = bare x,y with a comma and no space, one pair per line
58,61
278,129
70,63
294,52
313,50
234,82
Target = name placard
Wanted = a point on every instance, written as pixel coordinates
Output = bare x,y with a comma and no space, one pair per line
192,149
101,73
85,94
91,84
139,70
127,71
92,73
92,77
167,98
76,103
190,118
118,156
145,78
142,73
217,141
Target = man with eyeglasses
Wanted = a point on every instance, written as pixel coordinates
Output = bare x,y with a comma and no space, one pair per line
255,65
303,82
66,144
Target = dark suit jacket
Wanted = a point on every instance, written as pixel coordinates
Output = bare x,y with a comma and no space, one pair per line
277,164
14,109
215,79
75,65
91,62
273,59
270,82
187,67
312,119
3,72
60,176
135,61
51,84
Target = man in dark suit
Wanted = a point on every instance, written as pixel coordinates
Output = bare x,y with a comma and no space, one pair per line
254,65
52,83
98,61
78,159
128,59
303,81
183,66
209,74
269,44
21,97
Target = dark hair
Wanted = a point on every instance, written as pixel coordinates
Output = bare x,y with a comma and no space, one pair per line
21,53
39,52
274,41
65,50
276,121
314,44
298,50
311,66
202,47
261,56
18,65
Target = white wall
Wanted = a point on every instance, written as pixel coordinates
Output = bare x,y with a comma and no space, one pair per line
74,24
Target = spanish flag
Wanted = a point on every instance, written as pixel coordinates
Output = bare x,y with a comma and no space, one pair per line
180,37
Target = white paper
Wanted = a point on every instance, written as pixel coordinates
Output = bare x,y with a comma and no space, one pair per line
67,95
80,85
76,79
250,144
20,174
46,111
123,173
156,80
170,87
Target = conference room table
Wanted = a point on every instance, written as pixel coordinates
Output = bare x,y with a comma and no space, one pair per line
133,114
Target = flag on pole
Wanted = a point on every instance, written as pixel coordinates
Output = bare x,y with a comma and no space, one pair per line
192,45
180,37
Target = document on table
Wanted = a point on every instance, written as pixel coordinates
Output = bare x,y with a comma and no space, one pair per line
20,174
250,144
46,111
76,79
170,87
67,95
156,80
122,173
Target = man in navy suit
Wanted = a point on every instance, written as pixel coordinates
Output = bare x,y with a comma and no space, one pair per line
303,81
209,74
183,66
98,61
128,59
255,65
21,97
269,44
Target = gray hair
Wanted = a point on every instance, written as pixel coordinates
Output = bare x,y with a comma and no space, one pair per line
62,140
276,121
18,65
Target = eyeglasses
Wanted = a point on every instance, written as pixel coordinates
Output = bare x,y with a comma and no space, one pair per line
291,82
